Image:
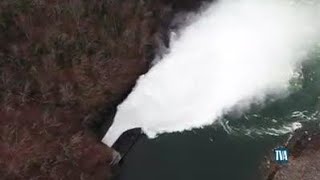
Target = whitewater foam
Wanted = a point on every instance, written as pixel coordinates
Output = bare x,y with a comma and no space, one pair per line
236,53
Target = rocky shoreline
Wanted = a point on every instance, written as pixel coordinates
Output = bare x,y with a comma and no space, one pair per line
304,158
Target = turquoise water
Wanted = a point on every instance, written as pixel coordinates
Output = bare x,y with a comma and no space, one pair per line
234,147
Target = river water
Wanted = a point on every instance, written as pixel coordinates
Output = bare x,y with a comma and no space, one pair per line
234,147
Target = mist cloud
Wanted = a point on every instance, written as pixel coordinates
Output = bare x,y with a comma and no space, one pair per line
236,52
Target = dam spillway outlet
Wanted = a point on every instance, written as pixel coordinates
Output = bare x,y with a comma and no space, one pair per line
123,143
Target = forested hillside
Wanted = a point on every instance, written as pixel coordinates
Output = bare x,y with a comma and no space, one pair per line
64,67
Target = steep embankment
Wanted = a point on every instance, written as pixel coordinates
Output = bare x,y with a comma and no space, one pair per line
64,66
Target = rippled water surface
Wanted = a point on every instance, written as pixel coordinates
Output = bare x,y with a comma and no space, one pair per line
234,146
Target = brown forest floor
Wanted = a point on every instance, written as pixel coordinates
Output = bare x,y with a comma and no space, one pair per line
63,65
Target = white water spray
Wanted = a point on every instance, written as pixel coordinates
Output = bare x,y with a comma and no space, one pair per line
234,54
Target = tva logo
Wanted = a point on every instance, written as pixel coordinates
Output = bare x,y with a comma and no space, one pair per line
281,155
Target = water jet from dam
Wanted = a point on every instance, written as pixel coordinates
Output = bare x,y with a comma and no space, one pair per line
232,55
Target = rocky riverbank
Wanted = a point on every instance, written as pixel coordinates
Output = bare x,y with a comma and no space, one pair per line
304,158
